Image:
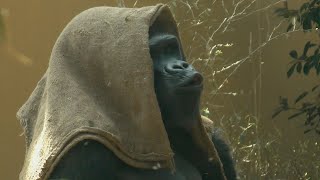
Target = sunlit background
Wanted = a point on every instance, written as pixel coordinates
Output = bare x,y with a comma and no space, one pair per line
240,46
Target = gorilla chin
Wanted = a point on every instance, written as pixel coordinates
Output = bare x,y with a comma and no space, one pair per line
185,101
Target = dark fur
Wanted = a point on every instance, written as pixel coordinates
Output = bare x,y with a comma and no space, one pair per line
94,161
225,155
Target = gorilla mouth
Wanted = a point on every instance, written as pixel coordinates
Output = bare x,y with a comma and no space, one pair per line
194,81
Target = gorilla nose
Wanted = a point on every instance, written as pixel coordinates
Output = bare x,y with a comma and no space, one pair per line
178,66
181,65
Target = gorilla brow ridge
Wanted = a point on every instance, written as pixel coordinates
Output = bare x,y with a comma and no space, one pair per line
162,38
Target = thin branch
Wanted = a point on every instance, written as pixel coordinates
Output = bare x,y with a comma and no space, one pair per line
239,62
214,2
190,8
225,9
258,10
211,37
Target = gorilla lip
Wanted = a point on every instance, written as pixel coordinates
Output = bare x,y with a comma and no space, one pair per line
194,81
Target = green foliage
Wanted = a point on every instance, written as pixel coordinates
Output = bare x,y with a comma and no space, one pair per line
310,109
305,62
307,17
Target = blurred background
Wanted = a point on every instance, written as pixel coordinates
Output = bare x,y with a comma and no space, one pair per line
240,46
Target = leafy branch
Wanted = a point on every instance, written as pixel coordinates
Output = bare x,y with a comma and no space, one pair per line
310,109
306,17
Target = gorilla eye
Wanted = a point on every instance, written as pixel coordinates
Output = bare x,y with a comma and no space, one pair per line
164,45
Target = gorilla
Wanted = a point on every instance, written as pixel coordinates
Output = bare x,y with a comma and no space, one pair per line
178,88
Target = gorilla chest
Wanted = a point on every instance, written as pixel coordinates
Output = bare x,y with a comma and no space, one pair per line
184,171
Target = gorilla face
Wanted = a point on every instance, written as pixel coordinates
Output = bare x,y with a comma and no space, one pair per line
177,84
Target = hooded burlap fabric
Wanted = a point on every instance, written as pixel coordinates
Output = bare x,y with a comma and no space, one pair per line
99,85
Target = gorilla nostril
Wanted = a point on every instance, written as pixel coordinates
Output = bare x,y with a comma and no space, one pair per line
185,65
177,67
